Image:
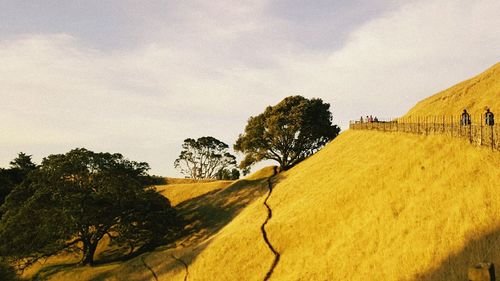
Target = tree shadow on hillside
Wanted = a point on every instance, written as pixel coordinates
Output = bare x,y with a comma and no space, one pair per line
203,216
455,267
47,271
208,213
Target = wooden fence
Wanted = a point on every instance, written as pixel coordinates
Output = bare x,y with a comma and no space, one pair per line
476,133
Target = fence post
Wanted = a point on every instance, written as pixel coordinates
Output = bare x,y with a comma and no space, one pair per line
451,127
481,132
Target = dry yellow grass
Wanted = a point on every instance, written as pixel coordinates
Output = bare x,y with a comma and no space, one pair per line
208,213
180,192
474,95
378,206
369,206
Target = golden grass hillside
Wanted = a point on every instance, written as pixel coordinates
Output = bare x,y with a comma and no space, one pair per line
475,95
369,206
379,206
180,192
207,211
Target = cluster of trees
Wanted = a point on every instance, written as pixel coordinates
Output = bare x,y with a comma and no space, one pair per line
71,201
287,133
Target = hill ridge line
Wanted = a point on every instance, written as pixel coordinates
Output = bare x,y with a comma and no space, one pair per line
263,227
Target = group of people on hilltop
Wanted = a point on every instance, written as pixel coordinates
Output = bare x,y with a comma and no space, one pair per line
368,119
489,118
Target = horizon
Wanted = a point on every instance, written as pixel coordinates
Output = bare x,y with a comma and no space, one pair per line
139,78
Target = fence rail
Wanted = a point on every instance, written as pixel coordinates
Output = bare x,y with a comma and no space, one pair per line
476,133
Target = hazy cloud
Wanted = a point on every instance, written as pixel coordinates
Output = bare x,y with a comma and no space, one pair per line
138,79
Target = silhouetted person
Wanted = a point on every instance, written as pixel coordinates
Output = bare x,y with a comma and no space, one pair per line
489,118
375,119
361,119
465,118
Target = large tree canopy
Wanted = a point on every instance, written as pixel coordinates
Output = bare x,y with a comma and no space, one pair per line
206,158
71,201
288,132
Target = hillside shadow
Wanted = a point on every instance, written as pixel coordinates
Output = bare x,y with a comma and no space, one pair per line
48,271
208,213
455,267
204,216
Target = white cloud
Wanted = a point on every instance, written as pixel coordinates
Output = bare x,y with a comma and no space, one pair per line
58,93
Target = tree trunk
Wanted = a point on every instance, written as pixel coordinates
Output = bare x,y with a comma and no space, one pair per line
88,254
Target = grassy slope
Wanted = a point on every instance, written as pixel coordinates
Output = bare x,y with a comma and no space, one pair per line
375,206
369,206
209,207
474,95
178,193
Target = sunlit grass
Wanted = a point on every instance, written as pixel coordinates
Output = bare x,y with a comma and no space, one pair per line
475,95
369,206
388,206
180,192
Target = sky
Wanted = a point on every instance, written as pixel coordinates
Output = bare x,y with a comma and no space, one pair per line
139,77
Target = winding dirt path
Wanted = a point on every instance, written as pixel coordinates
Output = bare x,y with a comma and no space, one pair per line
149,268
184,264
263,228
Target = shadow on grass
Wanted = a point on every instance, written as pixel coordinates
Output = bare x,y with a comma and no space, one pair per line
204,216
47,271
208,213
477,249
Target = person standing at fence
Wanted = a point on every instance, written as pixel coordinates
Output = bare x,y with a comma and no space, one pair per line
465,118
489,118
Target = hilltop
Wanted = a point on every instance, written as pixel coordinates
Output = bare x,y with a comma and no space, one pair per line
475,95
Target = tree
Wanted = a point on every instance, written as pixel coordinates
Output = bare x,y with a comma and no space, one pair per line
226,174
7,273
19,169
73,200
23,163
204,158
288,132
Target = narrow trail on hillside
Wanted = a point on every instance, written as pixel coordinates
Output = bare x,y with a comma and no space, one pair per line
149,268
184,264
263,228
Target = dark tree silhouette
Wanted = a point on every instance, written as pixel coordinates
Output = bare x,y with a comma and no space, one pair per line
288,132
19,169
73,200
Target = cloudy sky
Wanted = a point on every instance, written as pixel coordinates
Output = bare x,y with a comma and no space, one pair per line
138,77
